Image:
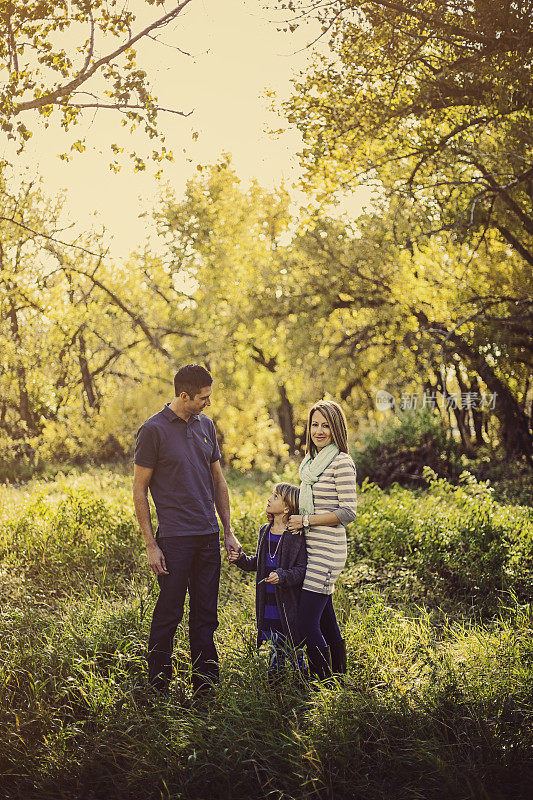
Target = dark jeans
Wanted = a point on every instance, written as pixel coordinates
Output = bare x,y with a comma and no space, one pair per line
193,563
317,622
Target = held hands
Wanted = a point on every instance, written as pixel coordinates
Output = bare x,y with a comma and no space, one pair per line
233,546
295,523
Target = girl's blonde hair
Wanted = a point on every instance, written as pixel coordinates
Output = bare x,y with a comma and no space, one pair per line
337,425
289,494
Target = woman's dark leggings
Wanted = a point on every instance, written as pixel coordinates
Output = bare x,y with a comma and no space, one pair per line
317,622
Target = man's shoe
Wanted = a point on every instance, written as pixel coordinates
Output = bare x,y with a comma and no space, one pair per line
201,698
203,687
159,686
159,672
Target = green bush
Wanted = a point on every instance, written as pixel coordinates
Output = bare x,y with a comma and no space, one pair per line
423,707
17,458
457,540
512,482
403,446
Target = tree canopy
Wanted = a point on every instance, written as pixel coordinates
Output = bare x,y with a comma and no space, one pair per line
431,104
434,101
428,293
61,58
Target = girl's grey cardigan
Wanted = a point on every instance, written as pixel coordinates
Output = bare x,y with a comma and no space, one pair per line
292,563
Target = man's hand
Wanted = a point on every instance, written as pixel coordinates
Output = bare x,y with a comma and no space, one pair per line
231,543
295,523
272,578
156,559
234,556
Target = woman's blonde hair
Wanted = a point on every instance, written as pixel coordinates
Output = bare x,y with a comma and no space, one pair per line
289,494
337,425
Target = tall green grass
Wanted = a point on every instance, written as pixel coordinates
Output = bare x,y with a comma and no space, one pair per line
437,703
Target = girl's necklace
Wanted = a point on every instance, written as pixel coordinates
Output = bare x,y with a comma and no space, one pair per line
270,553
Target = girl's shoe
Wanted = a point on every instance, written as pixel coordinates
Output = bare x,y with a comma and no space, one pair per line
275,676
338,657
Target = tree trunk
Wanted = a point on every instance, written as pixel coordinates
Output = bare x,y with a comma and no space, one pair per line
517,438
284,408
461,414
477,415
516,434
24,398
87,379
286,419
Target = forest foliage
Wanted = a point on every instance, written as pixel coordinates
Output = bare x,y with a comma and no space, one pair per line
426,296
415,315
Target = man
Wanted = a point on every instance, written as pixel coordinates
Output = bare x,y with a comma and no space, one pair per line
178,459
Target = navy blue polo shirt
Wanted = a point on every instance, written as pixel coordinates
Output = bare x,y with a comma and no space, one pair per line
180,454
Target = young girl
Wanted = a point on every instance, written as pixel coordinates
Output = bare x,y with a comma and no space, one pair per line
280,563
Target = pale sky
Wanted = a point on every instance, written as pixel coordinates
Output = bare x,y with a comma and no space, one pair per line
237,53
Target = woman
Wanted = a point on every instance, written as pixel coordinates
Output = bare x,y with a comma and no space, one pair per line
328,502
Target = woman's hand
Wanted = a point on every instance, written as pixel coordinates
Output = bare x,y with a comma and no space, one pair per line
295,523
272,578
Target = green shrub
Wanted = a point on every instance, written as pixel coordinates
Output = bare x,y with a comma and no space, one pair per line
459,542
403,446
17,458
423,708
512,482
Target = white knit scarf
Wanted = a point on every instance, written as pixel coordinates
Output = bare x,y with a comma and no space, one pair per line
310,471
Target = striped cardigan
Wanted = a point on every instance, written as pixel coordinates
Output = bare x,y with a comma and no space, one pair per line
334,491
